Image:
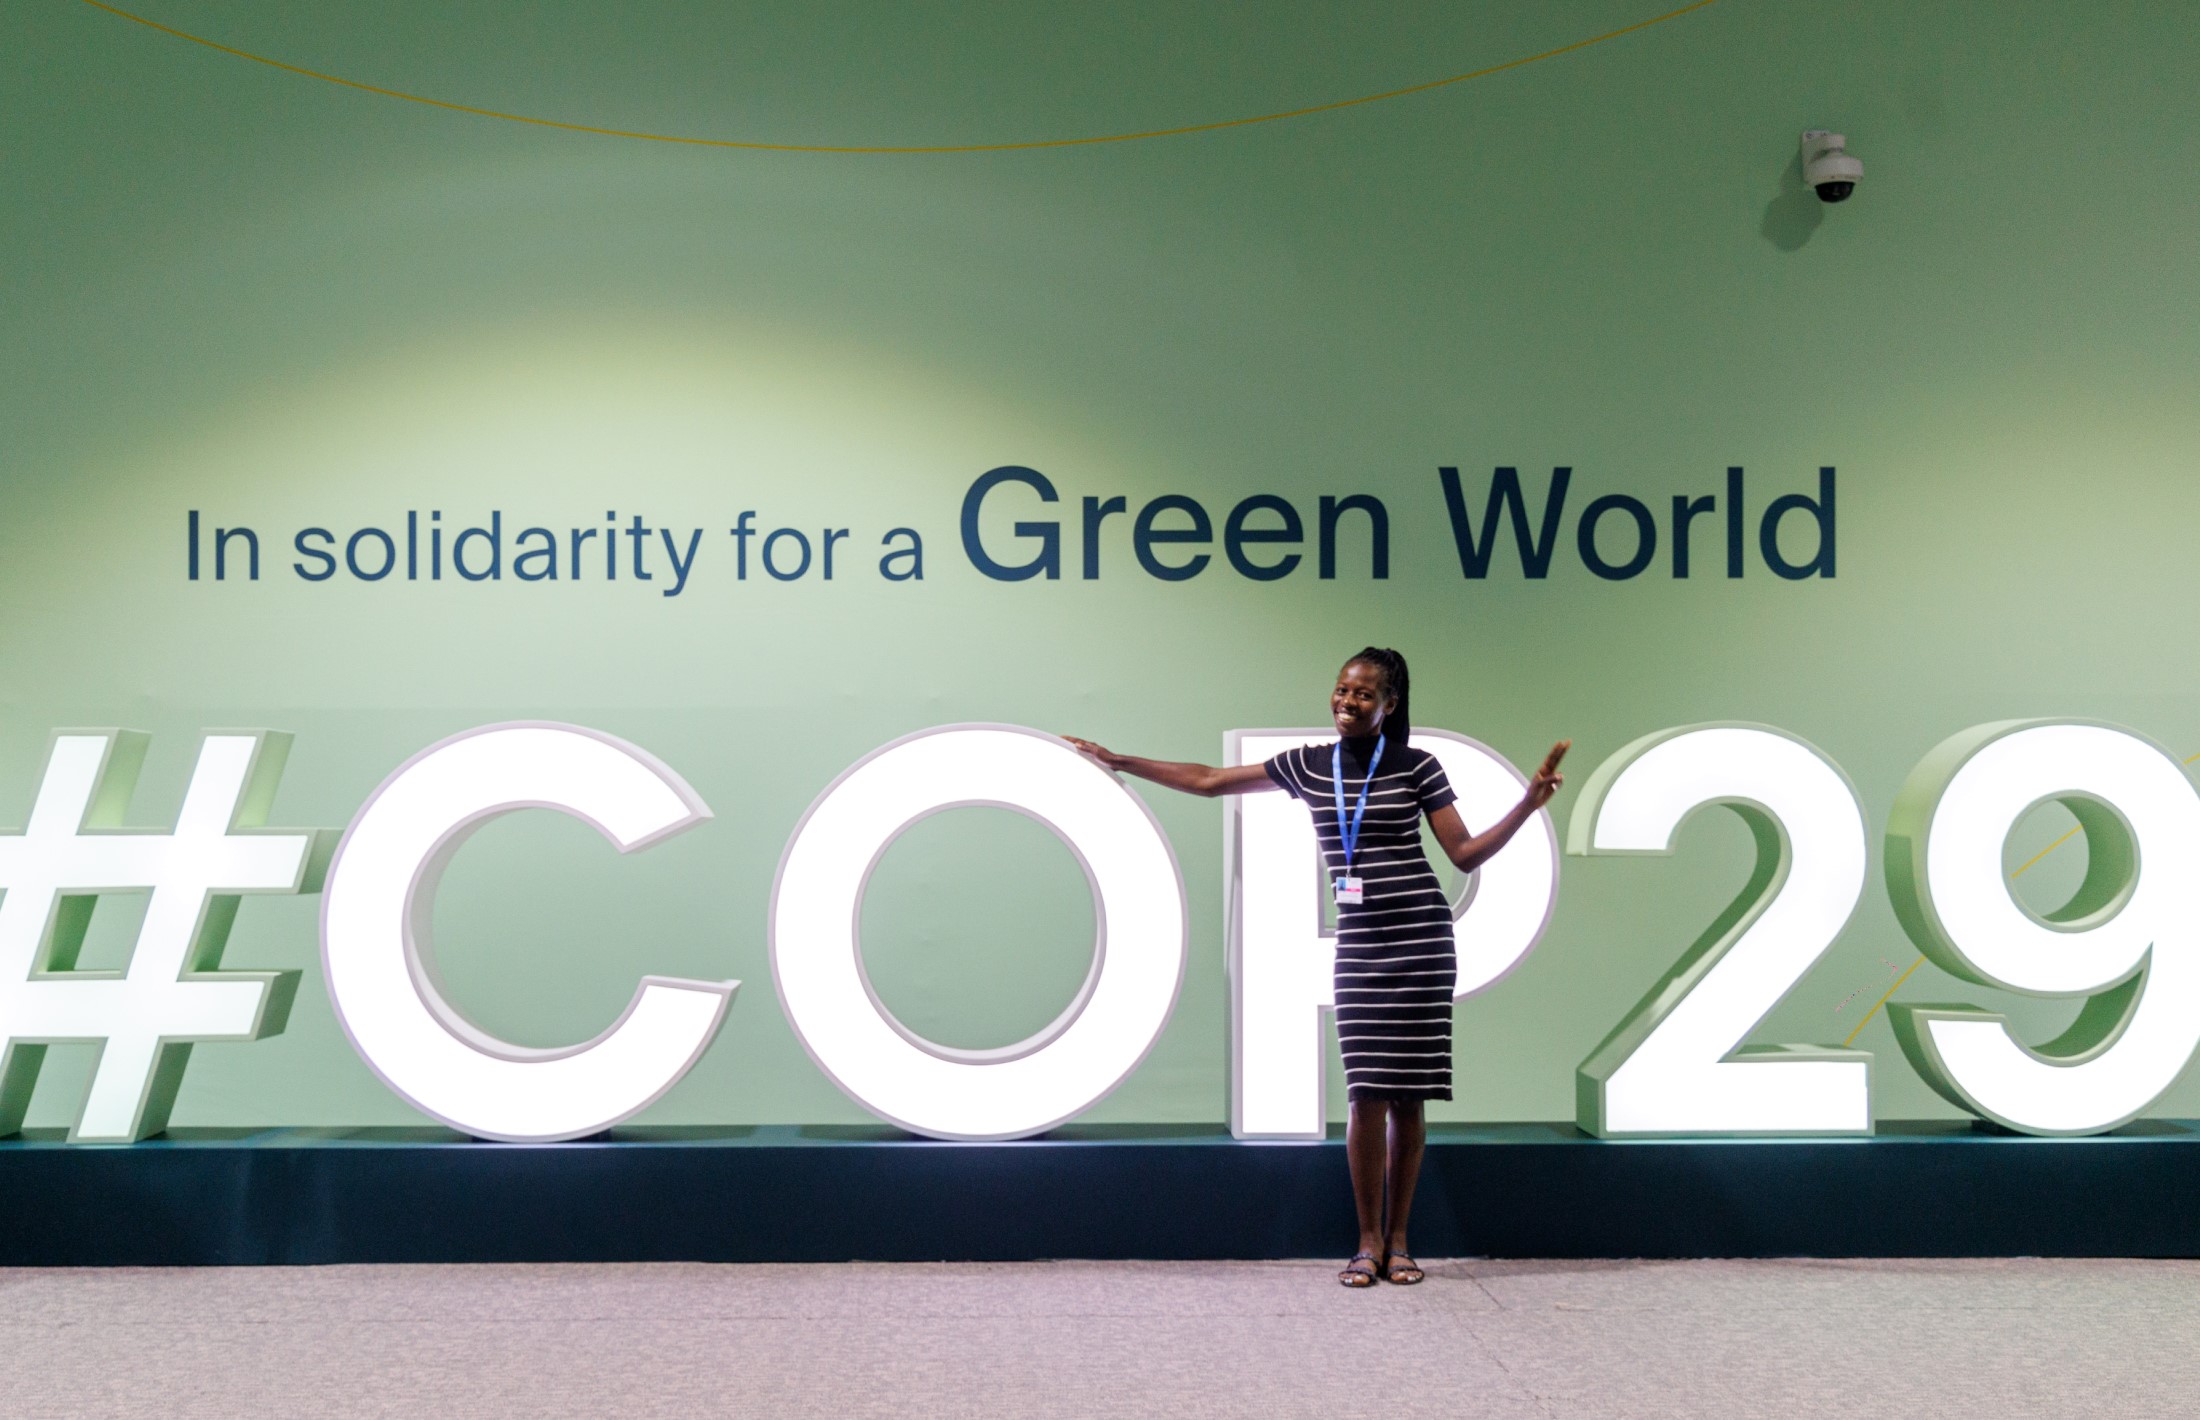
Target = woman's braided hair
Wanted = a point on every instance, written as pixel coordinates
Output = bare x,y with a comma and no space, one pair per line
1398,724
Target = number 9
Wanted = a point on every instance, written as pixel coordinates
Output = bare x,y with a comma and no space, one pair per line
2125,941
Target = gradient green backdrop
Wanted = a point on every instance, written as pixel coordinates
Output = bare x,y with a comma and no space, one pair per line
227,288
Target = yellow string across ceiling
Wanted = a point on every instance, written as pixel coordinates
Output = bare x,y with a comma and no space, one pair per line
1176,132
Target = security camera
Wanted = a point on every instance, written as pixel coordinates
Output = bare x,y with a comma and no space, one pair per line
1827,167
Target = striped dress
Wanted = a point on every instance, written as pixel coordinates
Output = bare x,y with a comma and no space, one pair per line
1395,958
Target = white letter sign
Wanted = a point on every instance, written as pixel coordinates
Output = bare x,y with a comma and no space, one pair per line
376,942
2128,943
1677,1064
148,1015
1035,1084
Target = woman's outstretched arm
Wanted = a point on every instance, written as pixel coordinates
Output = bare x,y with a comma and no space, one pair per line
1469,851
1205,780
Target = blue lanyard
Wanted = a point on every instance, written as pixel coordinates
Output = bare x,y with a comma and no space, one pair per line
1349,834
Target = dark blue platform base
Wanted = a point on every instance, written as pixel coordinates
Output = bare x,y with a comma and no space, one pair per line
782,1194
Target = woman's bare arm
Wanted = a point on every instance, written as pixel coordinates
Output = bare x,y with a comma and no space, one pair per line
1205,780
1469,851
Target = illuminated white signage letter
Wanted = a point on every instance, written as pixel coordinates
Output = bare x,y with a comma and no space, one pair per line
147,1016
2128,942
379,906
1677,1063
1280,959
1035,1084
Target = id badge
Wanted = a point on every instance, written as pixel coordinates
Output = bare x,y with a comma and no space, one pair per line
1348,892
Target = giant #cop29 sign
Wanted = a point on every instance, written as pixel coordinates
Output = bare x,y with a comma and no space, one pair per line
1676,1065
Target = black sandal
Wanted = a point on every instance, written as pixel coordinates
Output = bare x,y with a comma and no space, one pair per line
1355,1275
1400,1270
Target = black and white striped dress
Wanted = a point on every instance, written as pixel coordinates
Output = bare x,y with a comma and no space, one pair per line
1395,960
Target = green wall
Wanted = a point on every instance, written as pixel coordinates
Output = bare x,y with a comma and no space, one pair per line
286,304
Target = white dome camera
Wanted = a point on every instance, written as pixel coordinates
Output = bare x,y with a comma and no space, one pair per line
1827,167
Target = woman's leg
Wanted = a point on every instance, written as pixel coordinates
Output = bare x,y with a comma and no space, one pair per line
1408,1135
1364,1145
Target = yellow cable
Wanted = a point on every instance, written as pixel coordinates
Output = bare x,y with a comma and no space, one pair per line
2074,831
941,148
1905,976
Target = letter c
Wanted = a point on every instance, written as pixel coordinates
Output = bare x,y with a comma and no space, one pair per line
379,905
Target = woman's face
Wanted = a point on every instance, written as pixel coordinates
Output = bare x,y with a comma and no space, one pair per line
1360,701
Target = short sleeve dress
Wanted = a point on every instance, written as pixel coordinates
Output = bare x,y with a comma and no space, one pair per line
1396,963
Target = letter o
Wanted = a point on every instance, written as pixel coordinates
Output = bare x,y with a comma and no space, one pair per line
772,566
1023,1089
1646,537
389,554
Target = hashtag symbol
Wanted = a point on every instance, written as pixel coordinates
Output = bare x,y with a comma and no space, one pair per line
147,1016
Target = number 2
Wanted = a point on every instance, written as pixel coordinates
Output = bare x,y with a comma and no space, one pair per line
1676,1063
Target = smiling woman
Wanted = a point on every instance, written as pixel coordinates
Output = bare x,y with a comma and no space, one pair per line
1396,962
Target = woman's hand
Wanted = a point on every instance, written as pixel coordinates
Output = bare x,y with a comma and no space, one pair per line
1548,780
1107,758
1470,851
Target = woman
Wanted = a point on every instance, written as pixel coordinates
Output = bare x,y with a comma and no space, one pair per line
1395,958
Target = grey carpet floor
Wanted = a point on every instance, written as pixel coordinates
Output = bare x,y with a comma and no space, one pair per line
2004,1338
